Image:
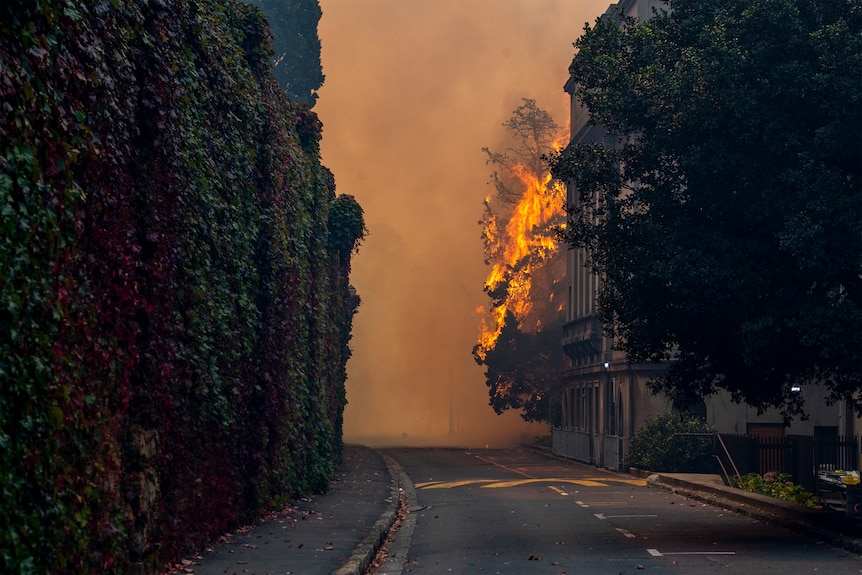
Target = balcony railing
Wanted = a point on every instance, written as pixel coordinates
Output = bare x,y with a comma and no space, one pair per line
582,337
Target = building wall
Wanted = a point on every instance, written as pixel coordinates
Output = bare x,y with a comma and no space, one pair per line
729,417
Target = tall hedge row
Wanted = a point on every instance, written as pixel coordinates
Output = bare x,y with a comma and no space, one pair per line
174,318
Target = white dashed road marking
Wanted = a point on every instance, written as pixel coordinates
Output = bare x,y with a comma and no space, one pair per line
657,553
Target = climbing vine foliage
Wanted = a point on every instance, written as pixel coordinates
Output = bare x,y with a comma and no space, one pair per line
346,225
174,319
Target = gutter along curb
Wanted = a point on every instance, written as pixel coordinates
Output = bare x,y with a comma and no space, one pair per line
828,526
364,553
831,527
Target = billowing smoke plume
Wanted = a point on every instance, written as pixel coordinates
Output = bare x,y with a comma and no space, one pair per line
414,90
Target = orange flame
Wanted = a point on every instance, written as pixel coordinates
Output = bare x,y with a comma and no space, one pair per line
525,241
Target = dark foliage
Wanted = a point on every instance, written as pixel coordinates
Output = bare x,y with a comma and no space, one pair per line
521,371
675,442
724,213
296,45
175,326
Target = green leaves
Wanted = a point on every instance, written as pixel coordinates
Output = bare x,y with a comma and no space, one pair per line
164,273
296,46
719,216
346,225
674,442
778,485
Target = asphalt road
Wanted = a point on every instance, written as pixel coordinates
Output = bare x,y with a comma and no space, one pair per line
519,513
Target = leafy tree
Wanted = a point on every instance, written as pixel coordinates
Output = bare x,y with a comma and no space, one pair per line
522,370
532,132
523,359
296,44
723,209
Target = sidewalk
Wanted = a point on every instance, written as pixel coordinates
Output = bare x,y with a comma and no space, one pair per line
336,532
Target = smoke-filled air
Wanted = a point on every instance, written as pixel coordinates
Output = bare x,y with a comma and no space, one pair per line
416,94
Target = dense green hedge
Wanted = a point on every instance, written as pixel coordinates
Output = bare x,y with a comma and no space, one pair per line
675,442
174,320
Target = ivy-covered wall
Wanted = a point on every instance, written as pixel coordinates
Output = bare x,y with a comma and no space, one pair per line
174,317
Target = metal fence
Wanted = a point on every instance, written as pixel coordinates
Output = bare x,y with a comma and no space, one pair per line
574,444
602,450
800,456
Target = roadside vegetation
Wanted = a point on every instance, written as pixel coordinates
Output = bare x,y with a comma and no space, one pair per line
776,485
174,284
674,442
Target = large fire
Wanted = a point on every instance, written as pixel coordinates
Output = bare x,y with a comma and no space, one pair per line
518,248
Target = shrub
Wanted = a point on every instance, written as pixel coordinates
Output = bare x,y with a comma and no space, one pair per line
776,485
660,445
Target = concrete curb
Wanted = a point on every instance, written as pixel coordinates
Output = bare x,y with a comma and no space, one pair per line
399,545
368,548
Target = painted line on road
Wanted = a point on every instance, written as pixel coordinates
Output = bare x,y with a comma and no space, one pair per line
557,489
581,503
426,483
450,484
635,482
603,516
657,553
626,532
501,466
498,484
518,482
598,480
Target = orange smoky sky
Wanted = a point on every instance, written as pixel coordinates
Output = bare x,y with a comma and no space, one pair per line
414,90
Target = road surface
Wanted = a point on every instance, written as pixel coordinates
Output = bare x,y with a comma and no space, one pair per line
516,512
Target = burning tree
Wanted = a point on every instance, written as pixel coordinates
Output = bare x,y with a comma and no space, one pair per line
520,331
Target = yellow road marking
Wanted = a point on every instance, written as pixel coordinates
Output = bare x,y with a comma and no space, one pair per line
557,489
451,484
496,484
638,482
517,482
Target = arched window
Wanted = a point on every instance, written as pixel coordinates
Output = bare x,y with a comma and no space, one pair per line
690,404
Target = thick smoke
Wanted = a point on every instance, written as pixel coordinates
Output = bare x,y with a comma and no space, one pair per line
414,90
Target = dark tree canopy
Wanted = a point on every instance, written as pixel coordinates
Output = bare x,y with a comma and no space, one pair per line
723,210
296,44
521,370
